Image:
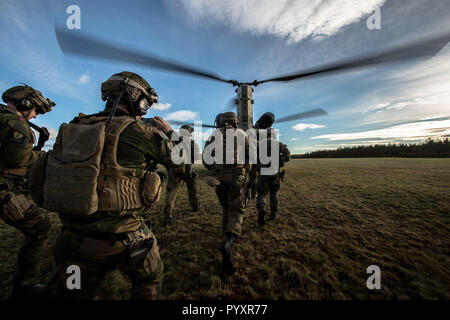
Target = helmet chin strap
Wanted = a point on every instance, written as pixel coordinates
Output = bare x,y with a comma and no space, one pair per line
114,107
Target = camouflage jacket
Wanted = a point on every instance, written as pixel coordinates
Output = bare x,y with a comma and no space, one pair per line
16,144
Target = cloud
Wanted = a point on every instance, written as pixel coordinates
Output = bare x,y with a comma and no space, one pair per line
419,91
287,19
32,53
304,126
161,106
409,131
53,133
83,79
10,12
182,115
294,139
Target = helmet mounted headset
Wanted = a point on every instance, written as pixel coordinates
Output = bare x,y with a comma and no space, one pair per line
138,98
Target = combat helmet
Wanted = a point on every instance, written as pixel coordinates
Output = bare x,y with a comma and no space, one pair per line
187,127
25,98
265,121
229,118
134,91
218,120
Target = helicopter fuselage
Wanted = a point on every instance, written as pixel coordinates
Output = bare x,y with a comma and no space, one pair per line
244,106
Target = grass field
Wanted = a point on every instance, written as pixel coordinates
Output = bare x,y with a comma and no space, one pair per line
337,217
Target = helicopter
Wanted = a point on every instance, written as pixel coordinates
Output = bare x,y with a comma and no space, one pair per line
75,43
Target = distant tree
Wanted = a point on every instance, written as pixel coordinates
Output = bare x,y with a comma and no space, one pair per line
430,148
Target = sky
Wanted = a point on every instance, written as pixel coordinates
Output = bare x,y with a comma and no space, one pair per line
245,40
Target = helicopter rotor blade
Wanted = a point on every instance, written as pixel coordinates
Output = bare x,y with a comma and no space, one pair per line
180,123
75,43
415,50
303,115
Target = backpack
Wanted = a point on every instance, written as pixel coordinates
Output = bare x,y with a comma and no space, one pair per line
72,169
81,175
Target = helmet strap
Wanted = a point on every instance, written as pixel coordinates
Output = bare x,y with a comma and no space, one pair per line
114,107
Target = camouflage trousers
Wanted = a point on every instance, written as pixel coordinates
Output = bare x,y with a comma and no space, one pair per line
19,211
173,185
106,267
231,197
268,184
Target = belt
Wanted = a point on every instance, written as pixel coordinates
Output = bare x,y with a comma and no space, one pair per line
126,238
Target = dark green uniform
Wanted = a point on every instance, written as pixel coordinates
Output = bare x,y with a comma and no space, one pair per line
230,190
271,184
102,241
17,209
188,175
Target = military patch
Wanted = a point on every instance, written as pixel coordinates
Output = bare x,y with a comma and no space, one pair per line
17,135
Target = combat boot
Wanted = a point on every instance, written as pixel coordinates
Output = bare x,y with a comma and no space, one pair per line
261,215
227,254
196,206
167,221
273,215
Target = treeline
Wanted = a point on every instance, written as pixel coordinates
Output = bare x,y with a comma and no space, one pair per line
431,148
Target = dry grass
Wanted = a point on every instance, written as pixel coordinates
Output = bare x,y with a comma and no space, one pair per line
337,217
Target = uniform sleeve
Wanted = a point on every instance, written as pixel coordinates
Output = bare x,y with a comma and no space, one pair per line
17,147
157,146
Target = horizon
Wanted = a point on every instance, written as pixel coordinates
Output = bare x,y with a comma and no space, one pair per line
405,102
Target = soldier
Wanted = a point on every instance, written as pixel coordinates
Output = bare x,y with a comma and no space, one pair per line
264,123
270,183
106,231
16,158
230,179
188,175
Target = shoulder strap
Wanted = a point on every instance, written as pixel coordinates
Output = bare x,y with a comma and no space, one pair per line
115,128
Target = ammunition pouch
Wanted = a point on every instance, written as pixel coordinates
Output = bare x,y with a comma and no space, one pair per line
13,206
235,176
138,252
118,192
151,188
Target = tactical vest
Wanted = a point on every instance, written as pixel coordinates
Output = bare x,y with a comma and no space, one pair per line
82,175
118,187
235,153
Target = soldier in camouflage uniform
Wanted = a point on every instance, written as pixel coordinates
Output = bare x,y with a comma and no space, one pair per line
263,124
119,240
231,180
16,158
189,175
270,184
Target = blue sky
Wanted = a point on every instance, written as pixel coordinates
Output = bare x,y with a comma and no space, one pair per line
245,40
